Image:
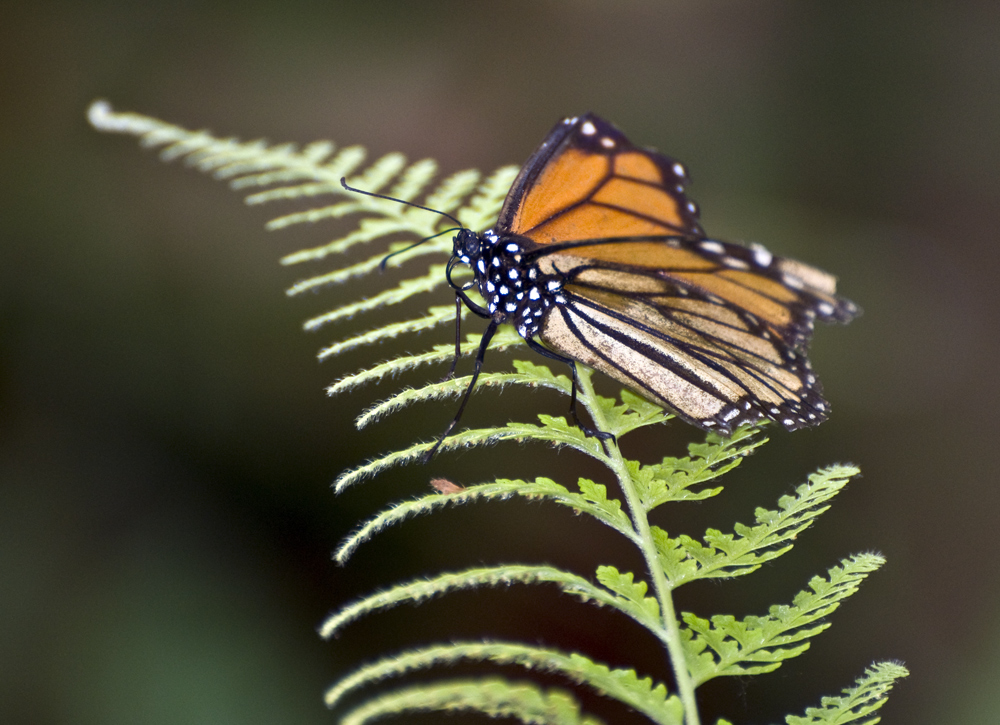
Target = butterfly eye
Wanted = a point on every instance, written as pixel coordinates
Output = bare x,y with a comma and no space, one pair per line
466,243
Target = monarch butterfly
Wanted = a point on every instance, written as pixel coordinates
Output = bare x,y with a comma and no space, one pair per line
597,257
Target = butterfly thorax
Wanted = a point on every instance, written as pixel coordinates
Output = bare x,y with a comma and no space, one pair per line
513,288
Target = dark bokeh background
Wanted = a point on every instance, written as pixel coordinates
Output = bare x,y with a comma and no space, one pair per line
165,447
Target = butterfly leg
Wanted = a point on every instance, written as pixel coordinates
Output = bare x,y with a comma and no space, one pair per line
458,339
460,299
602,436
480,356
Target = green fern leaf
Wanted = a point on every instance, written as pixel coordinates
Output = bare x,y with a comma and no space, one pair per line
623,584
760,644
631,414
592,501
607,510
674,478
623,685
401,293
422,589
493,697
555,431
455,388
858,704
727,555
434,317
439,354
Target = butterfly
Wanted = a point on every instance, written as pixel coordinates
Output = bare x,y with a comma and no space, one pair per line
598,257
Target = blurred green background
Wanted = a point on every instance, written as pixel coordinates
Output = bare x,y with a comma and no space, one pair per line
165,444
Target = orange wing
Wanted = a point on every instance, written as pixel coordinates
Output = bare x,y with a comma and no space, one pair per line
714,330
589,197
587,181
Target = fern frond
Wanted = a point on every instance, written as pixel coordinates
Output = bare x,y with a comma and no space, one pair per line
673,478
401,293
493,697
624,685
416,452
413,181
434,317
553,430
858,704
699,648
760,644
455,387
483,207
624,585
593,501
256,164
391,218
727,555
503,339
454,190
345,162
226,158
369,229
422,589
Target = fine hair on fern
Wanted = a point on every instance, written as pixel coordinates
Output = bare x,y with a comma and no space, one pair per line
622,494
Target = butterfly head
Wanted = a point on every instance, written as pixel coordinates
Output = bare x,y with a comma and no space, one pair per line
468,246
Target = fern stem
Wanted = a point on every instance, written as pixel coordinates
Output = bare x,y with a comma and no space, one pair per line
671,634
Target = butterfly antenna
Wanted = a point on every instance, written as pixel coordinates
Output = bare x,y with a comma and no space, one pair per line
343,182
385,260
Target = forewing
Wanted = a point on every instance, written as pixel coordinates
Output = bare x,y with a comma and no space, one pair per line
587,181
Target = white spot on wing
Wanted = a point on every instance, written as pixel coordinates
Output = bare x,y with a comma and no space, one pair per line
793,282
588,129
761,255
